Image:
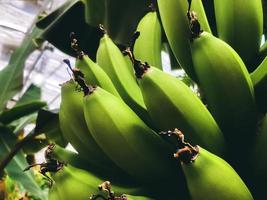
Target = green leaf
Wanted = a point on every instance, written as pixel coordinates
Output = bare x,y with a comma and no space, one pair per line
70,18
32,93
16,166
11,76
48,123
119,17
21,110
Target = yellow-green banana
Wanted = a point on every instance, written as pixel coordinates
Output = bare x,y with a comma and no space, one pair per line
171,104
226,86
198,8
74,128
95,75
75,183
240,24
173,15
211,178
125,138
259,79
148,45
110,58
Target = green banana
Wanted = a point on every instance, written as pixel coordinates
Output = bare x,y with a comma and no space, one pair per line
198,8
211,178
226,86
173,15
125,138
259,79
148,45
110,58
163,93
95,75
75,183
240,24
74,128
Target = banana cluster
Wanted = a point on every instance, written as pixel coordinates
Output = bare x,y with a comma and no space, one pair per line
148,132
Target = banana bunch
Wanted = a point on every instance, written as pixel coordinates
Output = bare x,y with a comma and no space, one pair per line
117,110
75,183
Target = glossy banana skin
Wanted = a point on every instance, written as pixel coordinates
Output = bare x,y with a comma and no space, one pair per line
110,58
226,86
240,24
74,128
211,178
95,75
259,79
172,104
173,15
125,138
148,45
75,183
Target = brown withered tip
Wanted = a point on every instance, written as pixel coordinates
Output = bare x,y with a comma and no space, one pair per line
186,152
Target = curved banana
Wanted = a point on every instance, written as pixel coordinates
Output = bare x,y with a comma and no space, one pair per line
110,58
198,8
227,87
125,138
148,45
173,15
211,178
171,104
240,24
95,75
75,183
74,128
259,79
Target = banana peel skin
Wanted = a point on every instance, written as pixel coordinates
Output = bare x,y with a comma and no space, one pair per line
131,144
148,45
241,27
184,109
95,75
211,178
75,183
110,58
74,128
226,85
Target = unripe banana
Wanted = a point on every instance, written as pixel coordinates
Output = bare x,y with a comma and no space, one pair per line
74,128
259,79
95,75
148,45
173,15
226,86
74,183
240,24
127,140
197,6
211,178
172,104
207,175
110,58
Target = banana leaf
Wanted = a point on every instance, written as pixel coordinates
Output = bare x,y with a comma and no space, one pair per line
21,110
11,76
16,166
119,17
48,123
31,94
